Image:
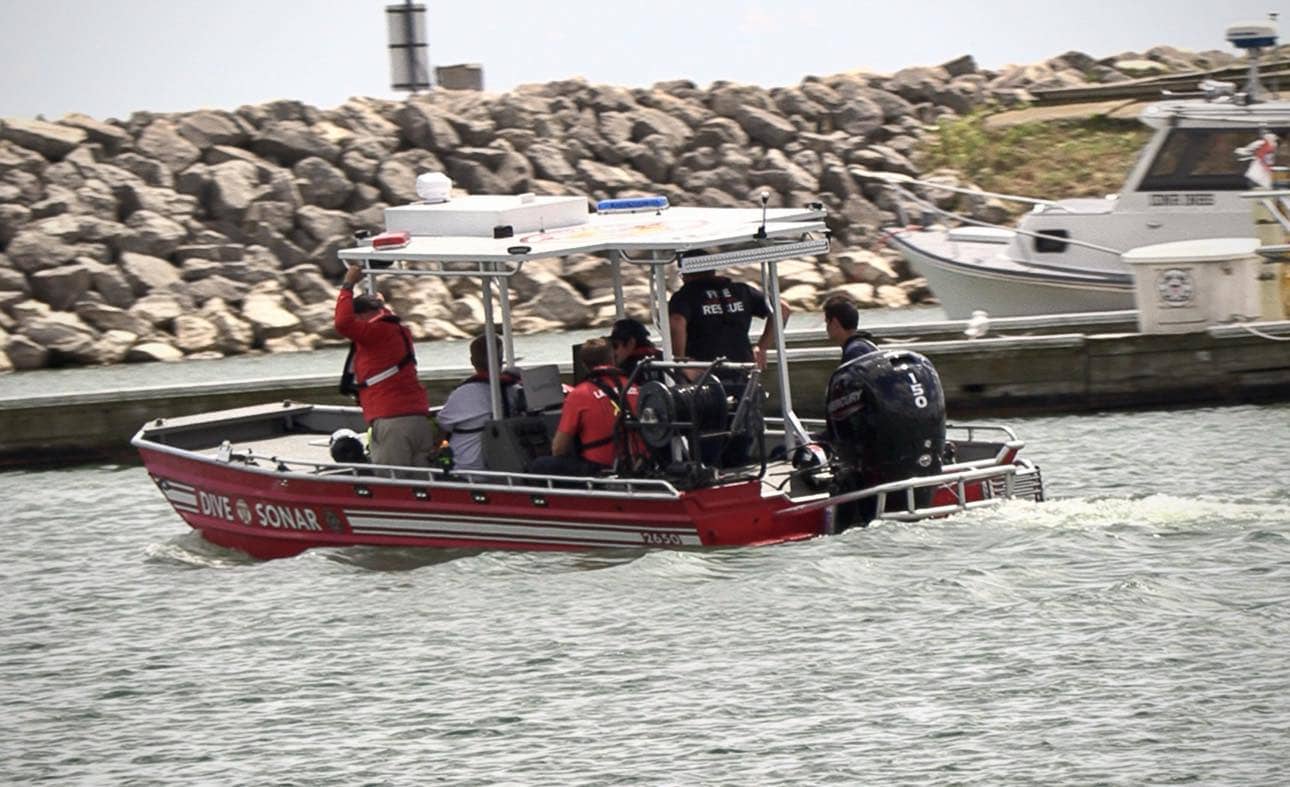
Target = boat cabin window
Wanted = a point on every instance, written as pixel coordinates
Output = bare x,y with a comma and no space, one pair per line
1204,159
1050,242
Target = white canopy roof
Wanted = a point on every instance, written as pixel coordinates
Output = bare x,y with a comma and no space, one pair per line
672,230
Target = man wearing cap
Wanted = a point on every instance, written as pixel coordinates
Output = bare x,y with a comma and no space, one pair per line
629,340
384,366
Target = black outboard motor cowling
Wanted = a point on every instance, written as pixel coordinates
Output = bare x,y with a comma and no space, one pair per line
886,416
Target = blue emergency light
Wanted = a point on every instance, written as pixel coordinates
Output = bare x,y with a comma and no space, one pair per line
631,205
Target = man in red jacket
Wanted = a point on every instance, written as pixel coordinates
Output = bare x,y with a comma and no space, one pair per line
586,440
394,402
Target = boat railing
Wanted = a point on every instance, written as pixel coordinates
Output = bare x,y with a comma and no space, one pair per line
424,480
1276,202
995,484
970,431
933,208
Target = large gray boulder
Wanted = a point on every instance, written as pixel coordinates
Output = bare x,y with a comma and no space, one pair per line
16,157
195,334
234,185
233,334
549,162
12,217
51,140
424,126
766,127
151,352
208,128
158,309
24,354
62,286
152,234
62,333
607,178
397,181
558,301
111,137
269,317
110,318
147,273
153,173
290,141
321,183
321,224
160,141
33,250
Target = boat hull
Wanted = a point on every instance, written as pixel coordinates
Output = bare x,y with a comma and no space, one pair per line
271,515
969,276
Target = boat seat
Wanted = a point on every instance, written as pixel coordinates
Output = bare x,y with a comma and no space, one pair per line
510,444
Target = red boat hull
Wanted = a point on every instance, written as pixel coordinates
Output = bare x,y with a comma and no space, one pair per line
268,515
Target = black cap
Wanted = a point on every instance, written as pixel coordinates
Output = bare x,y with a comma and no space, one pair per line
629,329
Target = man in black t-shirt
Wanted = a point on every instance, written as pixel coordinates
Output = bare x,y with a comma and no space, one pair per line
710,315
709,318
841,323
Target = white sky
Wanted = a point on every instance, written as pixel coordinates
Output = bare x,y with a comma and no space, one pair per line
108,58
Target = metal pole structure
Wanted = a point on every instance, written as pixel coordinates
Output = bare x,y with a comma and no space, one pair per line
490,342
660,310
504,298
616,265
794,434
410,31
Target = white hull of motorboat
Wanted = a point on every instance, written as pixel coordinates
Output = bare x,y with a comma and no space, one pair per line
966,276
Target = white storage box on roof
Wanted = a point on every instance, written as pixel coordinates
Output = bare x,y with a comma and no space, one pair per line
1189,285
477,215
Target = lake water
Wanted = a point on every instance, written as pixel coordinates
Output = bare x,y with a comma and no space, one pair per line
1131,630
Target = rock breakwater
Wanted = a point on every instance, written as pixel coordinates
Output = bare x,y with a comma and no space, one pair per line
210,233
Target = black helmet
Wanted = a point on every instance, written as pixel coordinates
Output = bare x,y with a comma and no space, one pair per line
347,446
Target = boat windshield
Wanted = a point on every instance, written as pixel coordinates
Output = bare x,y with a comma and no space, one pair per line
1204,159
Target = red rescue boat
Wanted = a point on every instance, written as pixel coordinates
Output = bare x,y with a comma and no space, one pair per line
262,479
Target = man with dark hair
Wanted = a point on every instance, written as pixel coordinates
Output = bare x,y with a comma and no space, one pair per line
586,440
630,342
384,367
709,318
841,318
710,315
469,408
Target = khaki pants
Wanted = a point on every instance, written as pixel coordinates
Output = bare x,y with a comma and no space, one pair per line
405,441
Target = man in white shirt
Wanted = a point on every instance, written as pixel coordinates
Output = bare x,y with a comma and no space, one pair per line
468,409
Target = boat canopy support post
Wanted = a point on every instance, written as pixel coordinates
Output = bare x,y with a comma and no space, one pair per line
504,298
490,344
660,311
616,267
794,433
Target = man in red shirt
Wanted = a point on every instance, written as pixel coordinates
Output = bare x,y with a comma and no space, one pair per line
394,402
587,439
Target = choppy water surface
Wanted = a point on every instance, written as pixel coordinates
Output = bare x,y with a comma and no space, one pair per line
1132,630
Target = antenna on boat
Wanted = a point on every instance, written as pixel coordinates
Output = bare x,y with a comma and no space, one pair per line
1253,37
761,231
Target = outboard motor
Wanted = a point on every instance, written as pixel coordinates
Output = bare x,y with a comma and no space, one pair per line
886,416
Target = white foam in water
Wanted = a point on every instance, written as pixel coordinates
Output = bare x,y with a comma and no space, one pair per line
1158,510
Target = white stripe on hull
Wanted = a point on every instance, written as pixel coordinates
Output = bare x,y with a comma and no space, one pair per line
537,531
356,514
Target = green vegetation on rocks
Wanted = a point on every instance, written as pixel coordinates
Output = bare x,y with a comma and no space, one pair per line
1071,158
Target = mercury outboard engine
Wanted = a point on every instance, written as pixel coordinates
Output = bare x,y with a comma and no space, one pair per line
886,416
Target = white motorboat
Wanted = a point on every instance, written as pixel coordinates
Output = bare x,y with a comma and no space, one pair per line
1065,255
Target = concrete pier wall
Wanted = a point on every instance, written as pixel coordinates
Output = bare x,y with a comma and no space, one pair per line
996,377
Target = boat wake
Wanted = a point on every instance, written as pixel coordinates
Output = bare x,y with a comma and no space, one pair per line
190,550
1157,511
